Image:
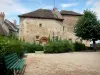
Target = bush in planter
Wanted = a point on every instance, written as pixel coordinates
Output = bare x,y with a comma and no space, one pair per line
59,47
79,46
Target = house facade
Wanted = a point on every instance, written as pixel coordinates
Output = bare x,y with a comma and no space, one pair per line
43,23
7,27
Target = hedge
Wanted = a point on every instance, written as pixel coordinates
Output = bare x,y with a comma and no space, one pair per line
79,46
31,48
59,47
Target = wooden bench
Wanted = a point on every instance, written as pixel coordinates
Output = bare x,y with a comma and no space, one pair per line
14,64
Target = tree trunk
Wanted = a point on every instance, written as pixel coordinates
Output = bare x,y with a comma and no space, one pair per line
94,44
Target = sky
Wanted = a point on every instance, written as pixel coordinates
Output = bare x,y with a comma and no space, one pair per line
13,8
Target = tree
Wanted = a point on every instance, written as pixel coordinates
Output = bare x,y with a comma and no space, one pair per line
88,27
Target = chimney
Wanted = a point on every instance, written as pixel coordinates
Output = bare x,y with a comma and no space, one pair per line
14,22
58,15
2,15
55,9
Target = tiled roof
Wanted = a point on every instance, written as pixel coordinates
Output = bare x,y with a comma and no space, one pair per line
41,13
10,25
65,12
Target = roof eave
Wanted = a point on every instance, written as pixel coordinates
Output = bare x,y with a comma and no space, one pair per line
40,17
73,14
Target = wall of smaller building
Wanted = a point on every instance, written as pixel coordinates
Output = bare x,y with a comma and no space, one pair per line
5,27
32,27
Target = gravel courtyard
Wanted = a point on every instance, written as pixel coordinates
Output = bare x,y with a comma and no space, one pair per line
76,63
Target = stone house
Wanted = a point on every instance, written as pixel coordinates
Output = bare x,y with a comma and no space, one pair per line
43,23
7,27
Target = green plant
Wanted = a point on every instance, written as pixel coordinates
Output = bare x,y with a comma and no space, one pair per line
31,48
88,27
98,46
9,45
59,47
79,46
39,47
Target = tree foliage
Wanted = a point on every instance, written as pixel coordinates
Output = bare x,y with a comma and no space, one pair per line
88,26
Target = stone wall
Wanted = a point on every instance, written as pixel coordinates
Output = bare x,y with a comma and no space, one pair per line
69,23
30,28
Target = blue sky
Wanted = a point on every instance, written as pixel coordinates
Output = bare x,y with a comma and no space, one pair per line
13,8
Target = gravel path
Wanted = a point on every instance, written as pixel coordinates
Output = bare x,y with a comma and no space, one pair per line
76,63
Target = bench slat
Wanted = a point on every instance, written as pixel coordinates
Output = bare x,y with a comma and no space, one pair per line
15,65
21,64
8,66
8,59
8,56
11,61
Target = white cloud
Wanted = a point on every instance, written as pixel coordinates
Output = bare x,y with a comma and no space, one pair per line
11,6
89,2
68,5
78,11
48,7
96,8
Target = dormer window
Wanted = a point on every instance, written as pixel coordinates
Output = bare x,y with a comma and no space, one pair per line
40,25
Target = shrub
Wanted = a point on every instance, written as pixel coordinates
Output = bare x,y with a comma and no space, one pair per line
79,46
59,47
69,47
38,47
31,48
98,46
9,46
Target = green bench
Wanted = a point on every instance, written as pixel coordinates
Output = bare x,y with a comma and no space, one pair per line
14,64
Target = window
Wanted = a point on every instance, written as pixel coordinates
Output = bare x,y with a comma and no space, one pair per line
37,37
70,40
40,25
63,28
55,38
